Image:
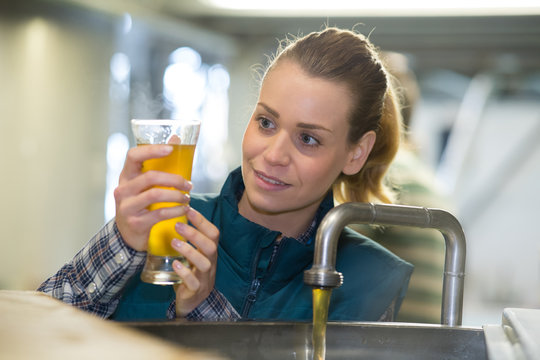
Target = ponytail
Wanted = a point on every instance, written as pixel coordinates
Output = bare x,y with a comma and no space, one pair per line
368,184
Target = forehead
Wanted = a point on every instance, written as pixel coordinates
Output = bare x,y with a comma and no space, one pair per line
288,89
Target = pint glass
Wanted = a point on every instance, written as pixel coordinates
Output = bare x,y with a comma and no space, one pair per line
182,135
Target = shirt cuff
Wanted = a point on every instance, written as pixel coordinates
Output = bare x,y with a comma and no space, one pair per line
112,263
215,307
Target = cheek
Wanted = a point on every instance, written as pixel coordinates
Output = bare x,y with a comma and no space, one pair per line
249,143
322,172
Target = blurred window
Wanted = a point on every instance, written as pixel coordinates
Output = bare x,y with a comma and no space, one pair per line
195,90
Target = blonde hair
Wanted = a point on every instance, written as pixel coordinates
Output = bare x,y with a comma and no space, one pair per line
349,58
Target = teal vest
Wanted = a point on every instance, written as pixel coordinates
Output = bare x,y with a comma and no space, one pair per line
373,277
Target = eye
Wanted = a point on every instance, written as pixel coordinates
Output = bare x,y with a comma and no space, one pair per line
309,140
265,123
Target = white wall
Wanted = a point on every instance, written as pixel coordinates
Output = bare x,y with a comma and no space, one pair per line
53,126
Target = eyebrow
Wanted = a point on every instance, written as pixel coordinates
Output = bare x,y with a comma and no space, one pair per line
300,125
312,127
269,109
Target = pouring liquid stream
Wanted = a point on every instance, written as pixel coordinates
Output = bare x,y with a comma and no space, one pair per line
321,301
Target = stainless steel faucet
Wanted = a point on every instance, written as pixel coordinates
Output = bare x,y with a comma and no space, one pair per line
323,272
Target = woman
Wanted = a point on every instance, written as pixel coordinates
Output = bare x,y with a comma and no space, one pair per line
326,125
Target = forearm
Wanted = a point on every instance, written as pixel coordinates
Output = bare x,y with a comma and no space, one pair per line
93,279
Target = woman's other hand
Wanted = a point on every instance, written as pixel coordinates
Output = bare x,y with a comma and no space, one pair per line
197,281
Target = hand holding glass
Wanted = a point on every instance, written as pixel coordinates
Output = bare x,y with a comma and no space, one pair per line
182,135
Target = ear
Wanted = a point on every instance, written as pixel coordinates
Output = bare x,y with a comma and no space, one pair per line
358,154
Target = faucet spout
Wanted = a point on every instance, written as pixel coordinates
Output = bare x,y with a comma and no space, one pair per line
323,272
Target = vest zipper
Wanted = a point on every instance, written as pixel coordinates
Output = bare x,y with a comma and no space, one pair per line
251,296
255,284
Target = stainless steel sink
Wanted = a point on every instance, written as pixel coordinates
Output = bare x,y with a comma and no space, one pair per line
292,340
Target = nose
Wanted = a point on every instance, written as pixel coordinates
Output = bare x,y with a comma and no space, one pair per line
278,149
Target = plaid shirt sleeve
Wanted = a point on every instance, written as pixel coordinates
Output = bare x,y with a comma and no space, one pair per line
215,307
92,280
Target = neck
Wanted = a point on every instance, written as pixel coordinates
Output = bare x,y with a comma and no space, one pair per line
288,223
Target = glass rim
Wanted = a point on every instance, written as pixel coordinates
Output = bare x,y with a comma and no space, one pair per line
171,122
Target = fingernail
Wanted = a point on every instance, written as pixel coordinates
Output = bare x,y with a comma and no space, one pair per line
167,149
190,185
180,227
177,243
177,264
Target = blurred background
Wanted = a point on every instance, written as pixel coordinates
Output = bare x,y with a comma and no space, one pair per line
74,72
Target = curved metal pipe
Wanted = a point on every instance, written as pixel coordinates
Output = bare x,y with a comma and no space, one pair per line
323,272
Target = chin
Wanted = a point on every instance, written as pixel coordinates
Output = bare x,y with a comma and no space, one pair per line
268,207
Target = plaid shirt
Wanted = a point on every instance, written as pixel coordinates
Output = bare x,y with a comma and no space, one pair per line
94,278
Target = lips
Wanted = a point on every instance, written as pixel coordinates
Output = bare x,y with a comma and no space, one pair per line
269,181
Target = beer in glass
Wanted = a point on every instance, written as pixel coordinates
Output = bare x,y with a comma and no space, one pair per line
182,135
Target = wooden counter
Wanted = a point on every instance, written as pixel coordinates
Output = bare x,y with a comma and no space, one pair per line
36,326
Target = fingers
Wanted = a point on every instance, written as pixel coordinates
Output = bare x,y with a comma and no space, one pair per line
133,211
133,183
137,155
142,221
195,257
136,203
133,196
189,280
160,178
204,235
201,252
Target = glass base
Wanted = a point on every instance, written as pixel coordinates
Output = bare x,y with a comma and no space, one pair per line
159,270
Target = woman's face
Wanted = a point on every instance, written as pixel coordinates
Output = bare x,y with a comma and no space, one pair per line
295,144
